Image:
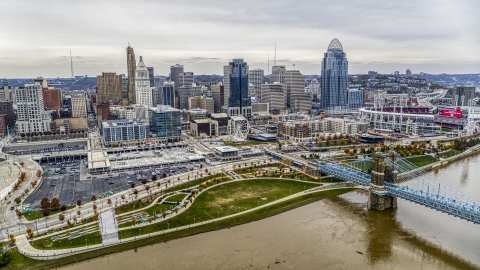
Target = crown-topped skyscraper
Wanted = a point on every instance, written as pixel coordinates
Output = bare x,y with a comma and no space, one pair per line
334,81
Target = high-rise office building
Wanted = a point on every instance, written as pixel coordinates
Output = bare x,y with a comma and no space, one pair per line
6,108
157,98
295,84
218,97
462,95
142,85
175,74
257,78
109,87
185,92
5,91
151,76
235,80
355,99
314,87
79,105
334,81
301,102
408,72
275,94
124,130
66,110
31,114
131,65
168,94
165,122
158,81
278,74
125,88
185,78
52,99
201,102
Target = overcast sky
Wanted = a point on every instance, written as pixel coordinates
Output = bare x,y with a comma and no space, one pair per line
431,36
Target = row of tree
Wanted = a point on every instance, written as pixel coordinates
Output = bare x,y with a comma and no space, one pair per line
463,144
46,204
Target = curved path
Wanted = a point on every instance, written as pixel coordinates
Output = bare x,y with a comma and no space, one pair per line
27,250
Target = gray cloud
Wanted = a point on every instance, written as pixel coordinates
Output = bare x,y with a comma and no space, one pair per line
430,36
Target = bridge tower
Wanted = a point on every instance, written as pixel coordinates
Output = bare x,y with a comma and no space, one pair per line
381,173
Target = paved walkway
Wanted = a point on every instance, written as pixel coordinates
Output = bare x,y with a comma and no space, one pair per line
108,227
27,250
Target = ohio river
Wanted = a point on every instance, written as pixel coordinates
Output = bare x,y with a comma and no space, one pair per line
335,233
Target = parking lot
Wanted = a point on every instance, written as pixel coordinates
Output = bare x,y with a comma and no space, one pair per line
68,188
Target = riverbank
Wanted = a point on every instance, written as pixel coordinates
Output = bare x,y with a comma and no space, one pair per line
334,233
21,262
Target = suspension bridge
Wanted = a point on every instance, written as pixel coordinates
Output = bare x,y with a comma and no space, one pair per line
388,176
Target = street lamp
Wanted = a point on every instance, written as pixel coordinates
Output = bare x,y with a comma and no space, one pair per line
168,225
85,242
193,220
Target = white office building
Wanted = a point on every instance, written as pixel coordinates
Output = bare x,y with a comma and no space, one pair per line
142,85
31,115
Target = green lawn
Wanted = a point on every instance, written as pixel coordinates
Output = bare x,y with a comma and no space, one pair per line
92,239
225,200
129,207
449,153
137,205
39,214
422,160
21,262
176,197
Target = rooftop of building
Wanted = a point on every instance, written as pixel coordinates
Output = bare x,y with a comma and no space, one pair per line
219,115
226,149
122,122
163,108
200,121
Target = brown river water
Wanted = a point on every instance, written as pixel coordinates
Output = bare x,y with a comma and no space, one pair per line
335,233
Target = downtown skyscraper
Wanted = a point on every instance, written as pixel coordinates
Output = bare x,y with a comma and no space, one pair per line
235,80
334,81
131,67
142,85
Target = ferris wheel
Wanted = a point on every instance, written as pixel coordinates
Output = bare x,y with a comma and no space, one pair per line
238,128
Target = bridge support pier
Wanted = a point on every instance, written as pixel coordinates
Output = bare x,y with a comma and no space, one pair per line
381,173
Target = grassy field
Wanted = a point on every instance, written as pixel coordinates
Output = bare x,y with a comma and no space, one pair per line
225,200
129,207
21,262
176,197
92,239
422,160
39,214
449,153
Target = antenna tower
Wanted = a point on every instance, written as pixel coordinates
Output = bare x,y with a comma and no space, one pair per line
71,63
268,61
275,56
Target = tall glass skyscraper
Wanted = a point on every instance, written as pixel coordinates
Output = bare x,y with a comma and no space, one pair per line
334,81
235,80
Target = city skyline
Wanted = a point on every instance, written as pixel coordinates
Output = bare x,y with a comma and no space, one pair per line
378,36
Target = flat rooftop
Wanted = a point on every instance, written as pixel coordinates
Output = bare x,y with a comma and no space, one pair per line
225,149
